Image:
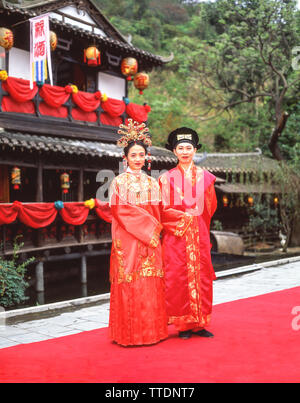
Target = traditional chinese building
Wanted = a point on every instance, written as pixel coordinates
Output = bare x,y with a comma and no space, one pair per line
54,139
242,180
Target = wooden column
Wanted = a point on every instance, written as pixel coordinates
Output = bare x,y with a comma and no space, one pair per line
39,187
39,275
83,270
80,197
80,185
39,195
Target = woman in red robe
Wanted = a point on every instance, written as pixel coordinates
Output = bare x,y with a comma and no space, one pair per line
137,300
188,268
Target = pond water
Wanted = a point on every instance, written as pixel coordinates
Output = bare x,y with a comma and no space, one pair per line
62,279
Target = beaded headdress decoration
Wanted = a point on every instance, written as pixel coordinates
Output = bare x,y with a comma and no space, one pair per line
132,132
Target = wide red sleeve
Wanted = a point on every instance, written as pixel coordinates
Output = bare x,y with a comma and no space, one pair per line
137,221
211,200
174,221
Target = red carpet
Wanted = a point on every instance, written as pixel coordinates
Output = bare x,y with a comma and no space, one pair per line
254,342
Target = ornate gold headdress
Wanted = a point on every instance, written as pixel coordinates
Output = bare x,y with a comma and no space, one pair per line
134,131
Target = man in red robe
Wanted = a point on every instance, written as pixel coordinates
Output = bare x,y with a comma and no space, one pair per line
189,273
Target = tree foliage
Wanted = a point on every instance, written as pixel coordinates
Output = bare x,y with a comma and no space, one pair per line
13,282
232,77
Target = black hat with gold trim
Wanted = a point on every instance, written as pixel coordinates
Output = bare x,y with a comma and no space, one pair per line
183,135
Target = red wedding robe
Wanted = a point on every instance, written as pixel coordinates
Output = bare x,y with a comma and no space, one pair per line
187,261
137,300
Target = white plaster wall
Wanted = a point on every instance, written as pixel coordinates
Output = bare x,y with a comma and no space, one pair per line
2,58
19,64
81,15
113,87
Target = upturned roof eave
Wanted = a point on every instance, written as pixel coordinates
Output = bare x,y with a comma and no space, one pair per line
122,43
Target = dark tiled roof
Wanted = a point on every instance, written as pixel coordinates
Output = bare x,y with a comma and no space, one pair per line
251,188
22,141
215,163
236,162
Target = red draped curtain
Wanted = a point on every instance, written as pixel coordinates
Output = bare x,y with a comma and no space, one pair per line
54,97
113,107
39,215
139,113
86,101
19,89
74,213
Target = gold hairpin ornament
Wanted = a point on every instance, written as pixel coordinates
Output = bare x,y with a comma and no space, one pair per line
134,131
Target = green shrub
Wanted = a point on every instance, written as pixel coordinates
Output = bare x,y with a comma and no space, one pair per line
12,278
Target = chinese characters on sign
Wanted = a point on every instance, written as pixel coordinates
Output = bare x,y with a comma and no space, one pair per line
40,56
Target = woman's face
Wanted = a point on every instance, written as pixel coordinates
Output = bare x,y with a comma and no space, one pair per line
136,157
185,153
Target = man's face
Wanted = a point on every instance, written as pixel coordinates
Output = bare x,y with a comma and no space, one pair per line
185,152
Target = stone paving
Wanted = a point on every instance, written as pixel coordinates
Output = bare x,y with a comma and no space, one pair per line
265,280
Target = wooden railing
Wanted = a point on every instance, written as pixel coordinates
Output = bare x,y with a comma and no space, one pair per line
57,235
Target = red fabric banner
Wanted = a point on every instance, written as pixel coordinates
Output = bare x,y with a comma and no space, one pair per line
106,119
34,215
37,215
139,113
10,105
113,107
54,96
86,101
74,213
19,89
61,112
79,114
8,214
103,210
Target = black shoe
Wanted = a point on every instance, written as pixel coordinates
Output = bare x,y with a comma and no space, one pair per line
203,333
185,335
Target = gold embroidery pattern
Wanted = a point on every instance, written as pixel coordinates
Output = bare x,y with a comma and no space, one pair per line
183,225
147,266
194,175
156,237
194,280
118,257
136,189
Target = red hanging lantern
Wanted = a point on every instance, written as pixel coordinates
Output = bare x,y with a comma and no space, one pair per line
16,178
250,201
65,182
225,201
53,41
129,67
141,81
6,38
92,56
